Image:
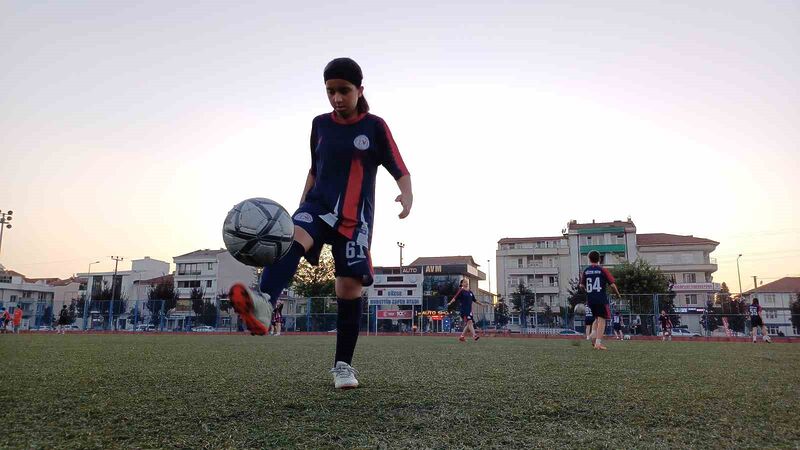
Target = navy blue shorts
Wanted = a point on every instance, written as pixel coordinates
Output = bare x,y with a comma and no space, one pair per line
351,256
467,317
589,321
617,327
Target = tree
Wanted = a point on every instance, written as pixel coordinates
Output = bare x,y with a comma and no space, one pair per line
501,313
522,302
161,295
316,281
794,309
640,281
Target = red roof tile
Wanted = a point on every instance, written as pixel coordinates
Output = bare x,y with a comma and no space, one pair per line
528,239
647,239
443,260
785,284
616,223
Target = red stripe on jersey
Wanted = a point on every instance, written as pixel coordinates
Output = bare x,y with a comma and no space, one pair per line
342,121
395,151
352,198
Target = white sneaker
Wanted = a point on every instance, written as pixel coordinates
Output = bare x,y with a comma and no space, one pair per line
254,308
344,376
767,340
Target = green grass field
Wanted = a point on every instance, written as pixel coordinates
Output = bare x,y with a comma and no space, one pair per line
124,391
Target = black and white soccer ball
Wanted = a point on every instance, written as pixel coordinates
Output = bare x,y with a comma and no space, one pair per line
580,309
258,232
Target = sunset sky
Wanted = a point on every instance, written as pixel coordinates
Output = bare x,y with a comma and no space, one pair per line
131,128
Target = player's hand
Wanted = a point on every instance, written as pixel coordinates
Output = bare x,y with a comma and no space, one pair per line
406,200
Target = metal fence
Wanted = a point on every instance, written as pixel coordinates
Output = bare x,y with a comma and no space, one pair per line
639,316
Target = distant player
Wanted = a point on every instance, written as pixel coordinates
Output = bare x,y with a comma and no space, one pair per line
588,320
63,319
616,324
757,321
465,299
666,326
277,319
348,146
595,279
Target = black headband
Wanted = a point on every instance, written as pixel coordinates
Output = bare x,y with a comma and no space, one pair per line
343,69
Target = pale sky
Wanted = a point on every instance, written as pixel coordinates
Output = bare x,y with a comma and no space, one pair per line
131,128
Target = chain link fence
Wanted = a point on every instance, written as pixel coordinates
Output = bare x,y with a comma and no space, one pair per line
638,314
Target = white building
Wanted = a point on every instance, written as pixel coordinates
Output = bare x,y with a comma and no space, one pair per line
545,265
67,291
775,299
141,269
213,272
33,296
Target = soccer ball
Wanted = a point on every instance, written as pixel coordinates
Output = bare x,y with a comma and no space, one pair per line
258,231
580,309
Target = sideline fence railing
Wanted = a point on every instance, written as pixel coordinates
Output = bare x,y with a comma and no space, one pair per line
639,316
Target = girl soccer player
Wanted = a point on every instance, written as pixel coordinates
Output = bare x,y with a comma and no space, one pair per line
666,326
277,319
465,299
337,206
756,322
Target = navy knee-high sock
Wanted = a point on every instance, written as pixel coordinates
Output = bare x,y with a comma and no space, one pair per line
347,325
276,277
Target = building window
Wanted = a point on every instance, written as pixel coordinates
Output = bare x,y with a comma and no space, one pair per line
772,330
689,278
26,294
519,262
210,266
691,299
769,299
42,295
771,314
188,269
208,283
5,278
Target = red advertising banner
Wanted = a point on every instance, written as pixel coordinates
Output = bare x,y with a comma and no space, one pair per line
394,314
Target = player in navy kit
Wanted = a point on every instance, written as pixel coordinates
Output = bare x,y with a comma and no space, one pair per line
666,326
616,324
757,321
348,145
588,320
596,279
465,299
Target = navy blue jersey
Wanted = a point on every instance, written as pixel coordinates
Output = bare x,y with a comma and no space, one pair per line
754,310
345,156
465,298
595,279
615,318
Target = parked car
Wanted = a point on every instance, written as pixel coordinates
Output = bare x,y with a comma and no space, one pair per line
72,328
146,327
43,328
570,333
684,332
204,329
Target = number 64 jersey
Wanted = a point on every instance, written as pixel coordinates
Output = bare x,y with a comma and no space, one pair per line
595,279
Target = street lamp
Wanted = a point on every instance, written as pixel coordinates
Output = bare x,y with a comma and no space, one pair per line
88,298
5,222
740,275
402,246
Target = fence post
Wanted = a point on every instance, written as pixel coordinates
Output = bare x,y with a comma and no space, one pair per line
308,314
655,314
161,317
86,302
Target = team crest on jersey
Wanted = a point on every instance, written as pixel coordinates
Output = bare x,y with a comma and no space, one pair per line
303,217
361,142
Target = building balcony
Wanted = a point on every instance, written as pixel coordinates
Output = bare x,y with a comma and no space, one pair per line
562,250
187,273
604,248
531,270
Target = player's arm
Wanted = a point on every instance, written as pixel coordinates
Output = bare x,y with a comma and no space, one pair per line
614,288
454,297
406,197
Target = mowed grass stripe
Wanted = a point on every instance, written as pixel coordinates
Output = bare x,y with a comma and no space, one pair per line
143,391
